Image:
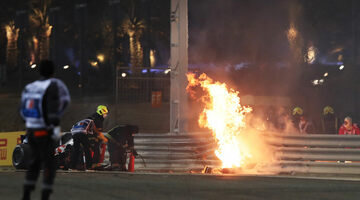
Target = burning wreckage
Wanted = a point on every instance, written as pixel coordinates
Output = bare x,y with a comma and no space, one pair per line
239,148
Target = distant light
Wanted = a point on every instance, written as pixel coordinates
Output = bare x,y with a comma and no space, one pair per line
339,63
341,67
144,71
326,74
321,81
66,67
292,33
152,58
79,85
94,63
315,82
100,57
123,74
167,71
311,55
33,66
340,58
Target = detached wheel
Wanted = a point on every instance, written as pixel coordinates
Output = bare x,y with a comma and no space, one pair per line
21,156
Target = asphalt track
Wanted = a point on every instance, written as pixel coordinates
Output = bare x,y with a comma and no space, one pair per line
106,186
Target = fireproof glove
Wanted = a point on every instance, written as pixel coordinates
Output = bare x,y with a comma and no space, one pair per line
56,133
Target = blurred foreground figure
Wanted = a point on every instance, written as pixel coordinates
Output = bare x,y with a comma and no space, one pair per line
42,104
348,128
121,141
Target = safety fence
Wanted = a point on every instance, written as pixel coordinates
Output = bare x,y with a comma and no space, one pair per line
339,154
142,89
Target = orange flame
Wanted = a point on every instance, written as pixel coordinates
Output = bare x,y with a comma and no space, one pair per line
225,116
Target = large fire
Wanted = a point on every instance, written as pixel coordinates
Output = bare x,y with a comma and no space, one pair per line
225,117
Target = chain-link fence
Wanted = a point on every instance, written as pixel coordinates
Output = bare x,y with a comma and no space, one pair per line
142,89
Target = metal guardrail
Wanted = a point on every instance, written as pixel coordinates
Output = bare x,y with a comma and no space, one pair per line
338,154
174,153
315,140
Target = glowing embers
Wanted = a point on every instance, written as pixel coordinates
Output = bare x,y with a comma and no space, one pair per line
224,116
212,170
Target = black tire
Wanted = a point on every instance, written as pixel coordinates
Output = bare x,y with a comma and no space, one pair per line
21,156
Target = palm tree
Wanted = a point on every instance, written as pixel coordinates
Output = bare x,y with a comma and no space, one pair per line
12,34
39,19
134,28
295,38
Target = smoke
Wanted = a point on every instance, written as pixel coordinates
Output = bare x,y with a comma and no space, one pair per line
262,124
234,31
227,33
269,41
260,131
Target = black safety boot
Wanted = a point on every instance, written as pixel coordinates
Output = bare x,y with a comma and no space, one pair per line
45,194
26,195
27,191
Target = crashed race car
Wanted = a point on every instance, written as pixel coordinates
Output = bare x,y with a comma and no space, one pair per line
21,157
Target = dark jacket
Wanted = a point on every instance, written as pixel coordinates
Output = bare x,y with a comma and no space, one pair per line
123,134
98,120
